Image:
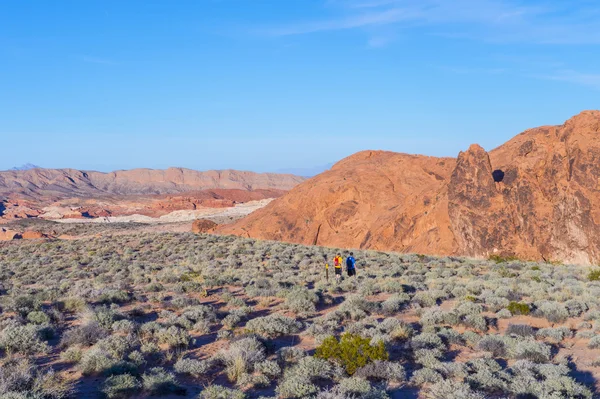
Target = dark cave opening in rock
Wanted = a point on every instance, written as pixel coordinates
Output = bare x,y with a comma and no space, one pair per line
498,175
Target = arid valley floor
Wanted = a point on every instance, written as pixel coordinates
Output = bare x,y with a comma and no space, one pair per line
154,314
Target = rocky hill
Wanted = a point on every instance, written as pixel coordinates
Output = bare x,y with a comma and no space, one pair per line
535,197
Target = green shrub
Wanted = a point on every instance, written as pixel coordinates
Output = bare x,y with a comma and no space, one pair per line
502,259
38,317
518,308
594,275
351,351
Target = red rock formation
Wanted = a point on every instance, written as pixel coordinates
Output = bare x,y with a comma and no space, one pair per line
203,226
8,235
536,197
33,235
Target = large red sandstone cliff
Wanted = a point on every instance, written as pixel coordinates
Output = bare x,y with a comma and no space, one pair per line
535,197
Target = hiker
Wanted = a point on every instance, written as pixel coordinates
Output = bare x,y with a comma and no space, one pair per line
351,265
337,265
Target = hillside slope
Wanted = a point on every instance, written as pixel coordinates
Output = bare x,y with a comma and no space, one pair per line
536,197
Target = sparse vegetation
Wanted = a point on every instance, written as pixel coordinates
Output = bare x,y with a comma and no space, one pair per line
163,314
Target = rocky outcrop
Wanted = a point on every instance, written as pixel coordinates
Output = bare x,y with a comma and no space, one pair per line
9,235
33,235
535,197
203,226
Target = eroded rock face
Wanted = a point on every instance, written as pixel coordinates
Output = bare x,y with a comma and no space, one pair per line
8,235
203,226
535,197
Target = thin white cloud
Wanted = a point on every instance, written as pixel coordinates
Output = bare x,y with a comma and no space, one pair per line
556,22
591,80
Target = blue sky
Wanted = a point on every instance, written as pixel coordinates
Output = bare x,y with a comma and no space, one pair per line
275,84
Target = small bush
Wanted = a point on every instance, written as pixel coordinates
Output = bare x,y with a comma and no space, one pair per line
157,381
517,308
382,370
121,386
523,330
221,392
273,325
192,366
594,275
25,340
352,351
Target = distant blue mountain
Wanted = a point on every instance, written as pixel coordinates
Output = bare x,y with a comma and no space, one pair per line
27,166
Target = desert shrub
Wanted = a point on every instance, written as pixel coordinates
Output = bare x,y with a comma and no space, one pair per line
109,296
382,370
221,392
301,301
157,381
25,340
72,354
299,380
594,275
95,361
354,388
553,312
193,366
351,351
290,354
504,314
115,345
545,381
38,317
19,378
448,389
523,330
594,342
72,304
493,344
424,299
427,341
241,356
394,303
517,308
476,322
436,316
269,368
103,315
121,386
426,376
273,325
24,304
555,334
537,352
124,326
174,337
575,307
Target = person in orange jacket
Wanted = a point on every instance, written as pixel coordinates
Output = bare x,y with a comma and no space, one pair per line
337,265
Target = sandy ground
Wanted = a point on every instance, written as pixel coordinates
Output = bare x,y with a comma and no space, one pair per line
223,214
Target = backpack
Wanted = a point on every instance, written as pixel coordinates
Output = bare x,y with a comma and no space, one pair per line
350,261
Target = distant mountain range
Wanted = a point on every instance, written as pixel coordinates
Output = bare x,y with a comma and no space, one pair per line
27,166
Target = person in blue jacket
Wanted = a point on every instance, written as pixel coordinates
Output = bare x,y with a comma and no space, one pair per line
351,265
